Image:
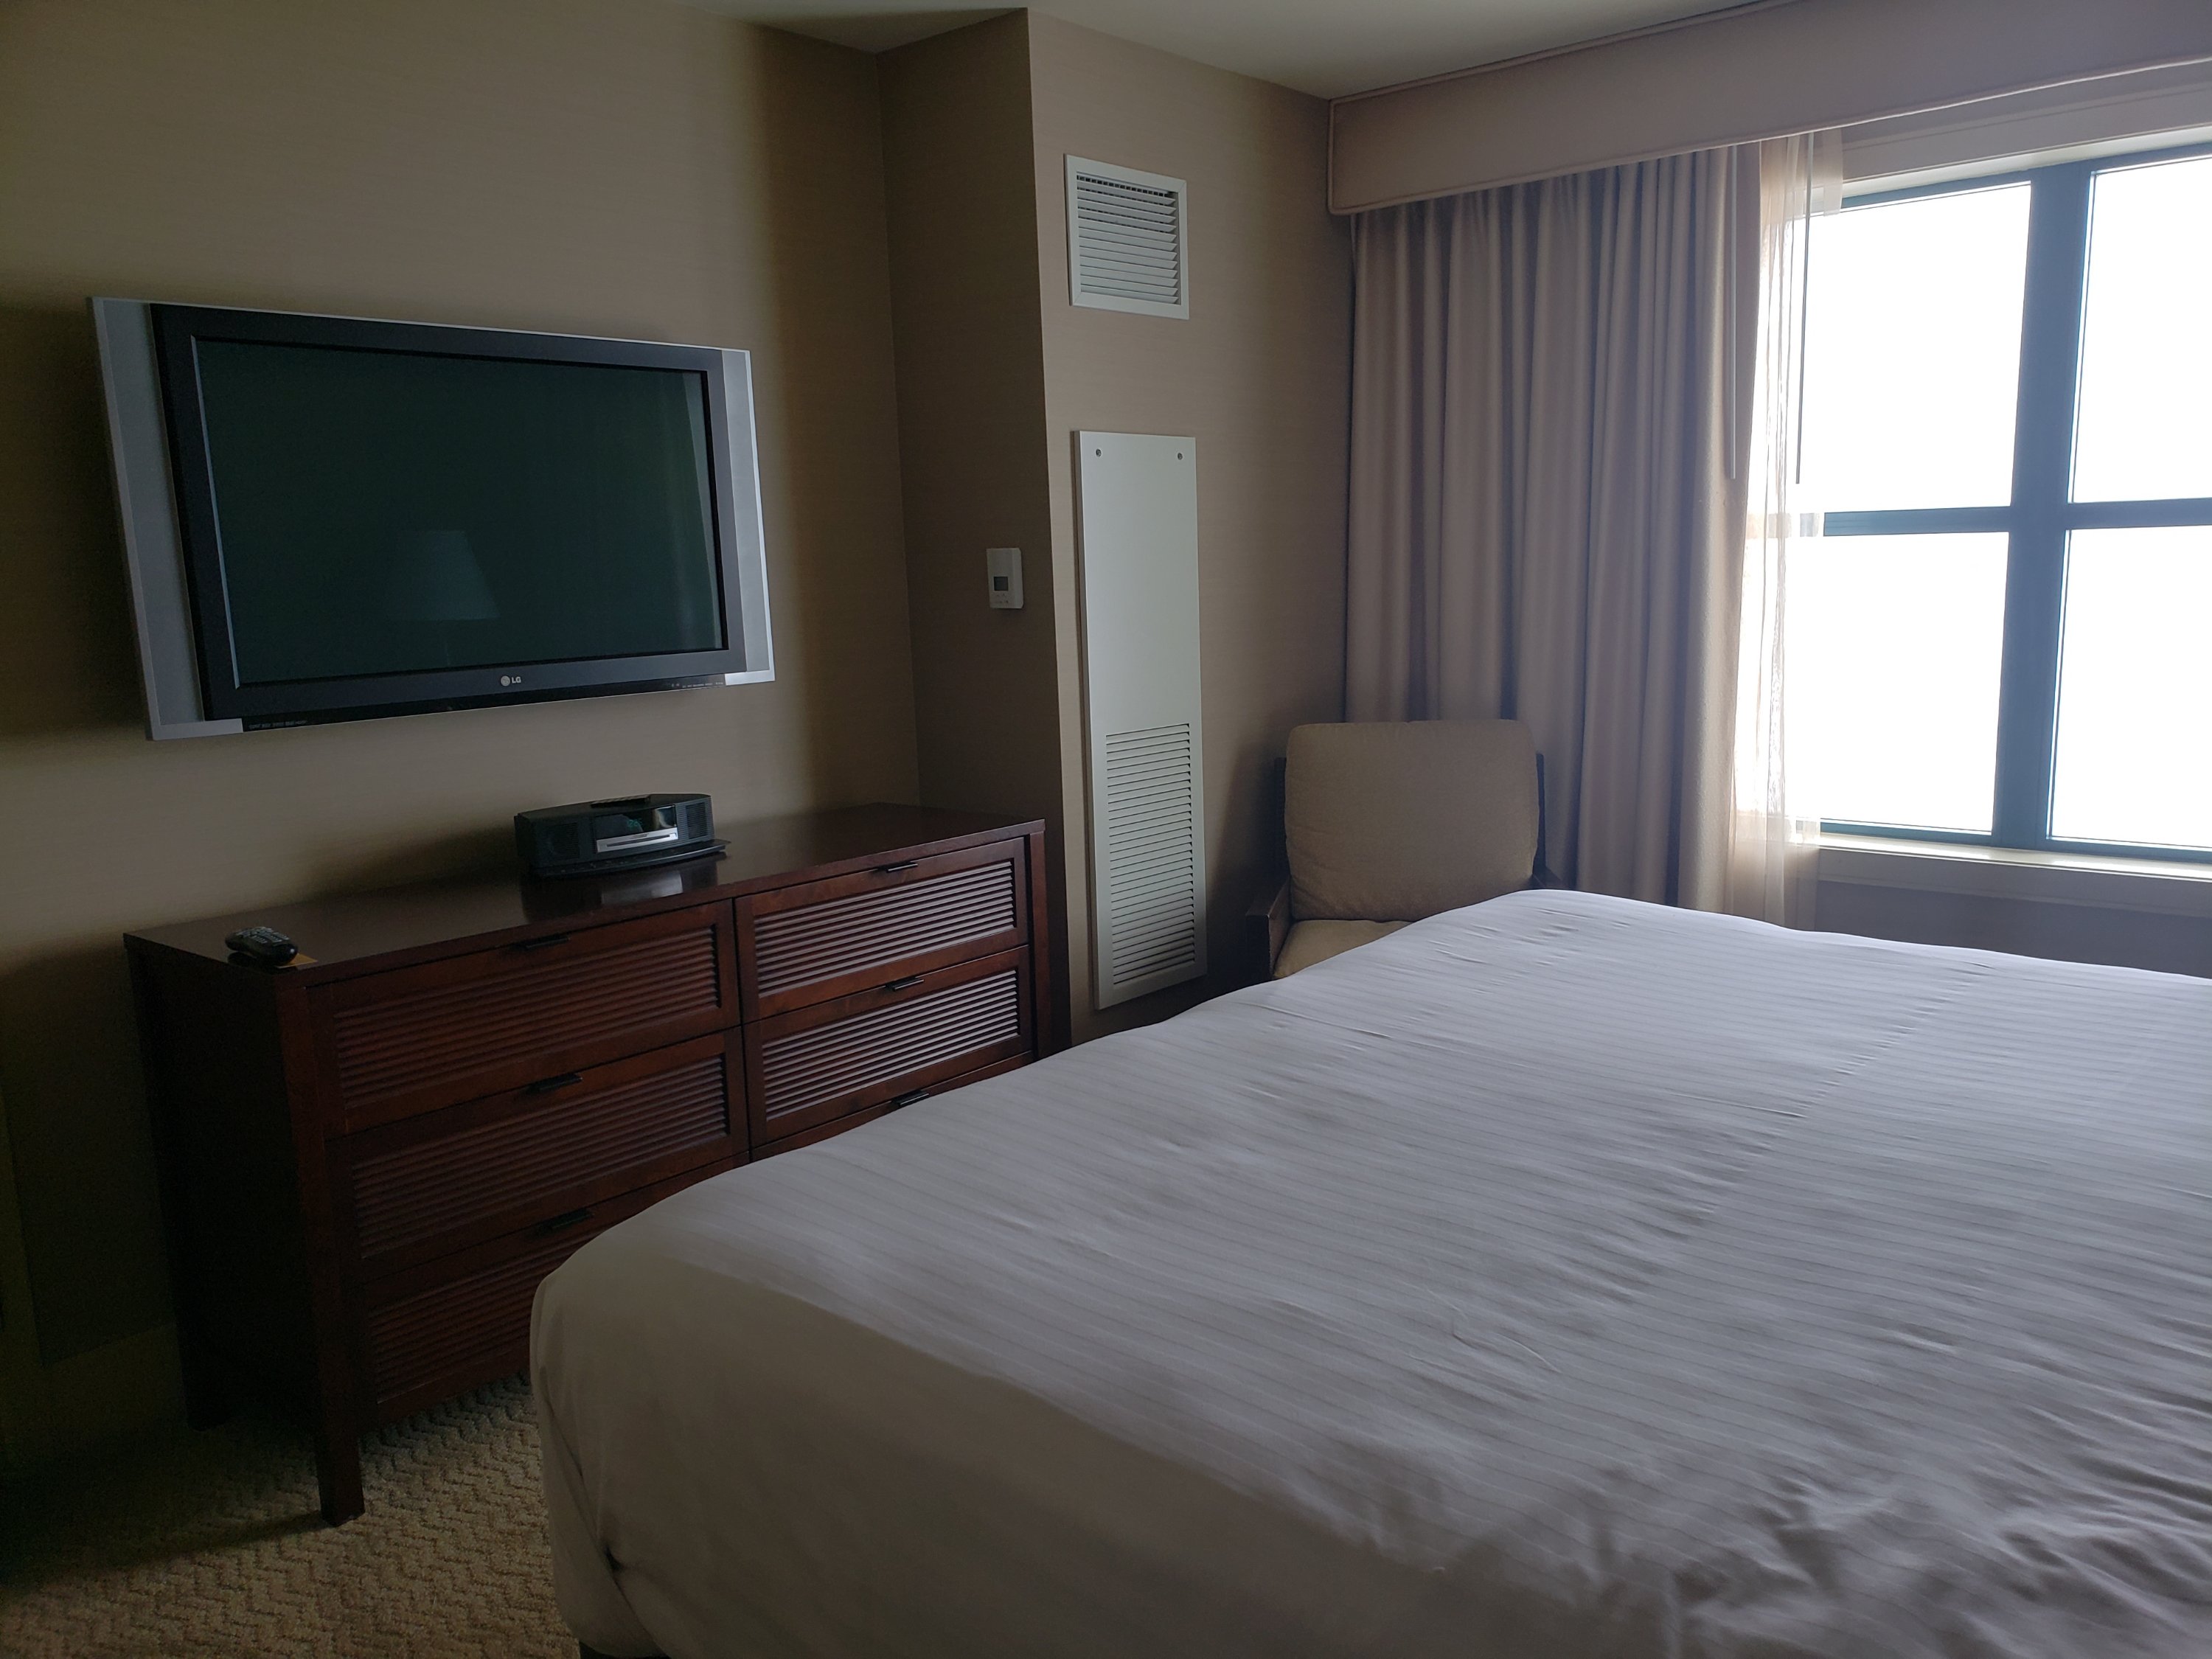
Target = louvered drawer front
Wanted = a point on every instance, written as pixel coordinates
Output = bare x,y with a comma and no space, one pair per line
448,1329
877,1046
477,1170
428,1337
827,938
406,1041
822,1131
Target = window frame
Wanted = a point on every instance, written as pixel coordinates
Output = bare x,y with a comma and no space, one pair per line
2041,514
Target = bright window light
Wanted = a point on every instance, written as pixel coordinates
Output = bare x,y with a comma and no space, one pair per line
1893,645
2011,647
2145,422
2135,700
1912,356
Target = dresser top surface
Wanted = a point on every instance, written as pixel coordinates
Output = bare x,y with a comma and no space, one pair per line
427,916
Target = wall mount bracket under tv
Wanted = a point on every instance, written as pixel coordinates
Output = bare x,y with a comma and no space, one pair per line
332,517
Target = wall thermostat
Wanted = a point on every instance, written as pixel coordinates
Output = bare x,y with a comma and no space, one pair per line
1004,565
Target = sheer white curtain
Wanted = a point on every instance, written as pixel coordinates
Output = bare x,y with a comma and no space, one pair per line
1771,852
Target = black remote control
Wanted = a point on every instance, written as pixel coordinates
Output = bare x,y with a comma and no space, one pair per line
264,947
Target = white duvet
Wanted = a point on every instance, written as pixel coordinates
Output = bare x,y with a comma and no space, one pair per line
1558,1278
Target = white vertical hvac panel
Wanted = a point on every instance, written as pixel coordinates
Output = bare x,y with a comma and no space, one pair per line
1138,508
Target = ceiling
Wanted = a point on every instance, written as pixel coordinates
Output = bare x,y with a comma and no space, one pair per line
1328,48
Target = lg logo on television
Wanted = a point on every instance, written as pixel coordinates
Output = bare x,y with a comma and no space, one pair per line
510,679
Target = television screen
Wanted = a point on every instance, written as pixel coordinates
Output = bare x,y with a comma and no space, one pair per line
384,511
375,518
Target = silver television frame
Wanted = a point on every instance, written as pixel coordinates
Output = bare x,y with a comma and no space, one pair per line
153,548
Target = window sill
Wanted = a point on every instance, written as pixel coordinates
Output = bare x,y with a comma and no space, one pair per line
2007,872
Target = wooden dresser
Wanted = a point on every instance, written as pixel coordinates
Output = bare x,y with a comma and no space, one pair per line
368,1160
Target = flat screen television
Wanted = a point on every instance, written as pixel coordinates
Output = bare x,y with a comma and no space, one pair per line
330,517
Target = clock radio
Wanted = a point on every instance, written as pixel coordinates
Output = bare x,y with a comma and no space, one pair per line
593,837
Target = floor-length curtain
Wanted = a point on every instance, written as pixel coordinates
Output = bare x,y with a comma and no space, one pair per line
1770,850
1550,456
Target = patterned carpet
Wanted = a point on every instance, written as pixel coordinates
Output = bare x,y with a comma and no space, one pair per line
210,1544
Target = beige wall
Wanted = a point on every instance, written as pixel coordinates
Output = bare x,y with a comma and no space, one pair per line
1258,374
2127,913
996,371
971,399
598,166
2124,937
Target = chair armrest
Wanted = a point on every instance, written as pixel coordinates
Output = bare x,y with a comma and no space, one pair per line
1267,925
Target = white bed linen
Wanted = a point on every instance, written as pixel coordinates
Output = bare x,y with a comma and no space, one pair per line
1559,1277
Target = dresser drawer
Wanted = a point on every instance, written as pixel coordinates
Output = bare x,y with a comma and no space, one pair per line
456,1323
822,1131
874,1046
806,944
426,1185
393,1044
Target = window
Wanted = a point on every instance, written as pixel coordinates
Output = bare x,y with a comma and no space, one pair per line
2005,633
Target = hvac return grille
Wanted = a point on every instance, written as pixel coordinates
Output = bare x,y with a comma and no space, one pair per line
1144,712
1127,249
1151,862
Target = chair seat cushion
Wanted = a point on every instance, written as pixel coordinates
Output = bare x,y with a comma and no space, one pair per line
1309,942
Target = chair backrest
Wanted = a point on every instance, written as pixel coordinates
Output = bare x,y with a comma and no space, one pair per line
1392,822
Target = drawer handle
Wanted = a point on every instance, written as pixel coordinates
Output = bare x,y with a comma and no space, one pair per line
909,981
545,944
562,1223
893,869
546,1085
909,1098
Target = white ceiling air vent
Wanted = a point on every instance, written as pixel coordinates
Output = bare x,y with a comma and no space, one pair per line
1127,249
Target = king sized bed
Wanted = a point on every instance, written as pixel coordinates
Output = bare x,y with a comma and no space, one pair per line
1558,1278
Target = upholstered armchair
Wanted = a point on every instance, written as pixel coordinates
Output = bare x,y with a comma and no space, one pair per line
1386,823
